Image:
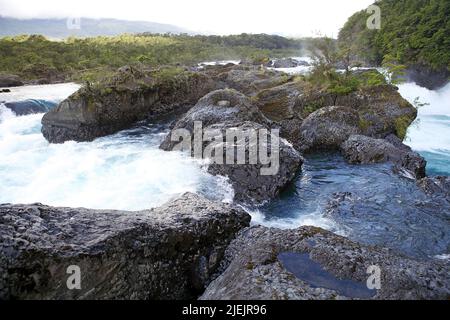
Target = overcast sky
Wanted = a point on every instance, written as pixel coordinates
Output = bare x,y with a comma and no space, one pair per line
289,17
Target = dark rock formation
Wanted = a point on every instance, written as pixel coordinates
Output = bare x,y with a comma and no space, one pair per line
288,63
9,80
30,106
377,111
131,96
362,149
164,253
426,77
439,186
250,79
311,263
279,105
327,128
216,107
224,111
250,183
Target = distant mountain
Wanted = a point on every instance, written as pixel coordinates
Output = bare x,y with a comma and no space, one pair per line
62,28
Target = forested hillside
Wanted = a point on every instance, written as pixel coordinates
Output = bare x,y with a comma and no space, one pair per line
33,57
414,32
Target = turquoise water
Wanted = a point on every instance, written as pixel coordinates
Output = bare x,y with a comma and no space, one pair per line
430,134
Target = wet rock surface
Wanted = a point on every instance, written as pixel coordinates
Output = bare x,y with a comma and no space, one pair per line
9,80
218,106
436,186
255,183
322,266
119,103
164,253
360,149
327,128
288,63
426,77
229,112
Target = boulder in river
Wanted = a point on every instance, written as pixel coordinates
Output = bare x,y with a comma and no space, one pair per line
288,63
128,97
313,264
327,128
426,76
250,79
228,112
255,183
9,80
216,107
363,150
169,252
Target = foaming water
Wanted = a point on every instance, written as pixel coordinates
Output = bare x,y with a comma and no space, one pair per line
50,92
299,69
430,134
123,171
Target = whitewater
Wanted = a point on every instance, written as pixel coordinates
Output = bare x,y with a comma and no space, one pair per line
124,171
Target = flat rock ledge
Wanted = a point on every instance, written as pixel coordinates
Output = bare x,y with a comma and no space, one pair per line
311,263
164,253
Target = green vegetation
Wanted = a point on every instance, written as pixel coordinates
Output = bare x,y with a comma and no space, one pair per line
413,32
34,56
327,55
401,126
393,71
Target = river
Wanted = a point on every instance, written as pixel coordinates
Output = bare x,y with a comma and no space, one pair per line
128,171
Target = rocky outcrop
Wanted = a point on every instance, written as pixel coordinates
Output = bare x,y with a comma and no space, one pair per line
327,128
363,150
164,253
288,63
254,183
216,107
9,80
30,106
426,77
131,96
251,79
278,104
438,186
311,264
377,112
225,112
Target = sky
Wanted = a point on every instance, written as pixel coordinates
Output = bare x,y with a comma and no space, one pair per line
286,17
